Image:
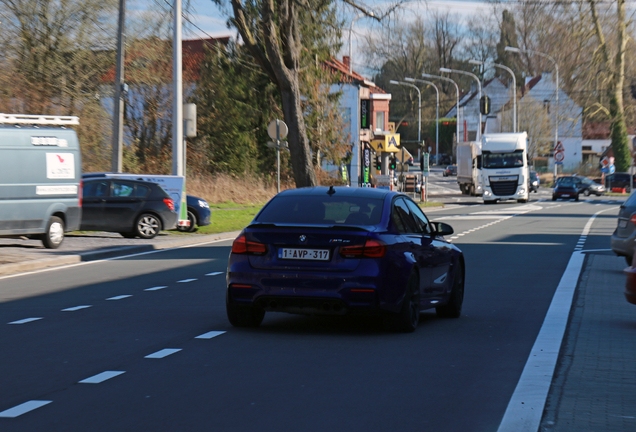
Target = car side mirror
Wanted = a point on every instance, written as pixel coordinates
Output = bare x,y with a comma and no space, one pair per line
442,228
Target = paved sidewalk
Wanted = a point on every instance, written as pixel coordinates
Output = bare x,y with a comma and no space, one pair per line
594,386
22,255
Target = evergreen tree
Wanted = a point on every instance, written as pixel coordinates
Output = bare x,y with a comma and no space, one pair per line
508,37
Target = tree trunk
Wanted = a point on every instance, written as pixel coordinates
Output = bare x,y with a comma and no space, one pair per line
304,174
618,129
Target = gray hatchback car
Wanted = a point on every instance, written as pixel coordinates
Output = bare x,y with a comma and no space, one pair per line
623,237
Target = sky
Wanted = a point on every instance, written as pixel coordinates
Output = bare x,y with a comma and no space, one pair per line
211,20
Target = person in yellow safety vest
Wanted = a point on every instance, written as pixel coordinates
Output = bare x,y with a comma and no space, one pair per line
343,170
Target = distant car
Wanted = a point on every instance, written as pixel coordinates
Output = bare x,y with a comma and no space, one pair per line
533,182
444,159
624,236
619,180
450,170
566,188
198,213
588,186
132,208
409,161
339,250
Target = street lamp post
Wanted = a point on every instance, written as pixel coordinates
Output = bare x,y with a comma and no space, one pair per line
360,15
419,103
514,89
556,68
425,75
479,90
437,116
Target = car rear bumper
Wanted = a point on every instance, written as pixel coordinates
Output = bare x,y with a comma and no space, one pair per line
315,292
623,246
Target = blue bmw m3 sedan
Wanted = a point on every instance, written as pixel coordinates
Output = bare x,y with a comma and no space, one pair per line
342,250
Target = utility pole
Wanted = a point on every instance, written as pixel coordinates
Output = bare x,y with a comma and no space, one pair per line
177,95
118,99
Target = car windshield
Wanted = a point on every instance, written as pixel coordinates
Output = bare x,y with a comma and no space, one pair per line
322,209
503,160
566,181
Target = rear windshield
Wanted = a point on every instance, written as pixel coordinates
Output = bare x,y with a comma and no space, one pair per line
322,209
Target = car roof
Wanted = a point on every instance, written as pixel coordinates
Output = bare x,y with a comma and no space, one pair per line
141,182
339,191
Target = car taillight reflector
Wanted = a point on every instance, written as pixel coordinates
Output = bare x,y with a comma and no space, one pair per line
633,219
242,246
81,192
371,249
169,203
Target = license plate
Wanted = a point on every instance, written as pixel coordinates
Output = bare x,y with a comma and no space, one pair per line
303,254
565,195
622,223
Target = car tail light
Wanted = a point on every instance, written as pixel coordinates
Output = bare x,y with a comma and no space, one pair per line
81,192
169,203
242,246
633,219
371,249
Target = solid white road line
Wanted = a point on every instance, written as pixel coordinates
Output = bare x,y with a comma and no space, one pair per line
119,297
163,353
101,377
76,308
214,273
528,400
210,335
26,320
155,288
23,408
186,280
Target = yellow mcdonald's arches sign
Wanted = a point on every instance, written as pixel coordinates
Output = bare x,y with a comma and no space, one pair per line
390,144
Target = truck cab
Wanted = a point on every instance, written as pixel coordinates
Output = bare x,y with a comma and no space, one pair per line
505,167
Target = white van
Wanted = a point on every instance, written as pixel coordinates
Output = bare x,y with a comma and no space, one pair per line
40,177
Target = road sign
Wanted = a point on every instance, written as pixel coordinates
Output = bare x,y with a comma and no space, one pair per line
559,147
559,156
612,169
605,161
605,170
282,130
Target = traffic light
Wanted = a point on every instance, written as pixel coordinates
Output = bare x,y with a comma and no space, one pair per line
484,105
392,162
378,161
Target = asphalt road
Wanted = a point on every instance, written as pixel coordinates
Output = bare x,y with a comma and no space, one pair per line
142,343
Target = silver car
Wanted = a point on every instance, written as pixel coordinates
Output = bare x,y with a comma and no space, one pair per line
623,237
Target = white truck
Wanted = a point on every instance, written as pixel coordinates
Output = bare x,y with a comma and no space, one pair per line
469,168
504,167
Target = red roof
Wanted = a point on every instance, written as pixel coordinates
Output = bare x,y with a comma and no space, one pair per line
338,67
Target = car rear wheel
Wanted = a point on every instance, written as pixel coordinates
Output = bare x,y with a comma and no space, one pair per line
54,234
577,197
193,223
586,192
244,316
407,319
453,309
147,226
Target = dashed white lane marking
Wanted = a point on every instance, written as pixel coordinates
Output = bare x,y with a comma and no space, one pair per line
214,273
24,321
101,377
119,297
23,408
210,335
186,280
76,308
163,353
155,288
525,407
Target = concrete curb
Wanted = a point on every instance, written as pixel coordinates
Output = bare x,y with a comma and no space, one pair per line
93,255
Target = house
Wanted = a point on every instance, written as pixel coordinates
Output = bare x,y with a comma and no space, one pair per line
366,112
597,142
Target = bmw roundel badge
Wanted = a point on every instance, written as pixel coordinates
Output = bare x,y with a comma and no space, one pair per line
303,238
